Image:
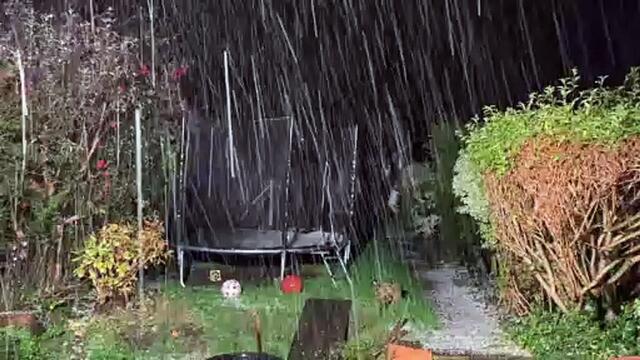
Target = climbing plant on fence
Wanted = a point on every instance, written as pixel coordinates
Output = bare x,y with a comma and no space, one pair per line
555,185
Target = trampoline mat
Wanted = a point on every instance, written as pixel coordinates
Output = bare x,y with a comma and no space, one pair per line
253,239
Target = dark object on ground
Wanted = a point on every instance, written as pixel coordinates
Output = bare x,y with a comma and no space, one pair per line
21,319
322,329
245,356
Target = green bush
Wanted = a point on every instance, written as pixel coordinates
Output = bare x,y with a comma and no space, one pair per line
112,257
578,335
456,230
468,186
18,343
559,112
600,115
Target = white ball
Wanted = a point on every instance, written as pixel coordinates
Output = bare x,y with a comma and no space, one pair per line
231,289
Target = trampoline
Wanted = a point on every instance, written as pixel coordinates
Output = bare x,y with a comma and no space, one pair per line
269,187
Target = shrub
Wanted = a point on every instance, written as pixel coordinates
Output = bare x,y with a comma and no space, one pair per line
456,230
560,113
82,82
468,186
423,212
561,176
576,335
111,258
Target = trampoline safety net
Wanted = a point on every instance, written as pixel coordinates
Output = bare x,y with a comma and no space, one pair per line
271,186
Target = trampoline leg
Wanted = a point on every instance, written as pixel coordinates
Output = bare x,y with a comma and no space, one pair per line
181,266
347,253
344,268
283,261
328,267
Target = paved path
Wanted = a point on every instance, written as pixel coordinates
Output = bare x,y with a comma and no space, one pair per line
469,324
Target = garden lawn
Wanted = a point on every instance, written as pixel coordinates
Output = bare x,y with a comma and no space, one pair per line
199,321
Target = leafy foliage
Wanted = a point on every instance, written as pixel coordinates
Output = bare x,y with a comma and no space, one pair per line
560,112
577,335
530,175
110,258
468,186
18,343
424,219
82,81
457,232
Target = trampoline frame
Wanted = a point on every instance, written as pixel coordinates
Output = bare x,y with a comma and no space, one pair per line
339,251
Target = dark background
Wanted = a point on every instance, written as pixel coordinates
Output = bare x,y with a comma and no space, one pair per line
436,59
392,66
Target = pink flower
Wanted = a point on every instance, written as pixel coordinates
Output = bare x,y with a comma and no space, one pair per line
179,73
102,164
122,87
144,70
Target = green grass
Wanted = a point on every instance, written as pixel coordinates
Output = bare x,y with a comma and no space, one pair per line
197,320
226,325
457,231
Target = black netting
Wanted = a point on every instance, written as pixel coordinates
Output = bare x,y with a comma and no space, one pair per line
277,175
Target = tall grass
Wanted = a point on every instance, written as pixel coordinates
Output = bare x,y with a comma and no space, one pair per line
457,236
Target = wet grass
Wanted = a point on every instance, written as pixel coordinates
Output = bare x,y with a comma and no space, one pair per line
227,325
197,321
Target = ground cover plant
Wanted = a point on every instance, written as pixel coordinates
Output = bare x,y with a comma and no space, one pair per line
578,335
554,186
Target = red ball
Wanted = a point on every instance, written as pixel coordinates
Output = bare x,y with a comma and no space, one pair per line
292,284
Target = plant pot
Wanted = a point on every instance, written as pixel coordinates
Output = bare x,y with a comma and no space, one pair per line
401,352
245,356
21,319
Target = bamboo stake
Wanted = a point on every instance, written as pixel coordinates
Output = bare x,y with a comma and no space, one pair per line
93,19
25,114
150,7
138,115
230,125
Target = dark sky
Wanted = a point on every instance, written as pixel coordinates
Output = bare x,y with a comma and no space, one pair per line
456,55
603,35
383,64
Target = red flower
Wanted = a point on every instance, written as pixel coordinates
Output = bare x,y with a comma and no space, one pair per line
144,70
179,73
102,164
